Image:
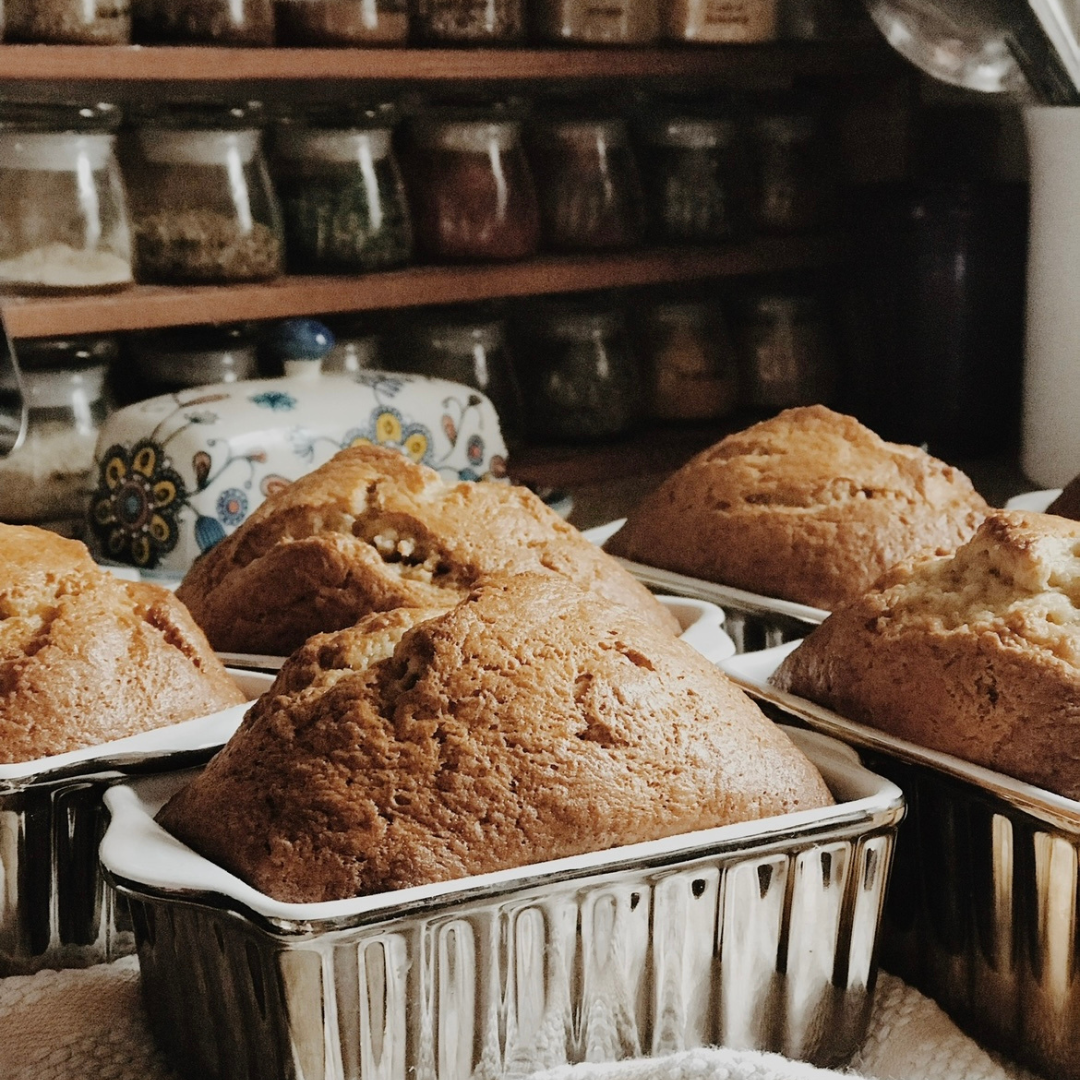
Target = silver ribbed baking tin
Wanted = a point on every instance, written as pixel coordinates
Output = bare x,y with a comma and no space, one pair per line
984,905
56,909
761,935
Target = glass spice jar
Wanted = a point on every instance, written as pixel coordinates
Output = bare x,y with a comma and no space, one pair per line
341,22
165,361
692,365
205,22
580,376
721,21
469,22
358,346
588,184
471,191
48,479
202,205
598,22
64,223
472,351
791,176
68,22
694,169
788,353
341,193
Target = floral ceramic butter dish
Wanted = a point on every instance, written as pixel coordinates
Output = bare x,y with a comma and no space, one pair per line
177,473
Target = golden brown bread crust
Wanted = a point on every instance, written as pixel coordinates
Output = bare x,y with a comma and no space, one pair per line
531,721
86,658
371,530
976,655
810,506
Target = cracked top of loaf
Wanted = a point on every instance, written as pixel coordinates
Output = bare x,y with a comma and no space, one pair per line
531,721
86,658
809,506
371,530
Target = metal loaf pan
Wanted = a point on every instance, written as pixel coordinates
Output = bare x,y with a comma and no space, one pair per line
753,621
984,906
56,909
760,935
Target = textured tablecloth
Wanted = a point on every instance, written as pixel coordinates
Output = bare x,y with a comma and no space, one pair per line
90,1025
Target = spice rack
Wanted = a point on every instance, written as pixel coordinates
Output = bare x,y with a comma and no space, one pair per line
125,73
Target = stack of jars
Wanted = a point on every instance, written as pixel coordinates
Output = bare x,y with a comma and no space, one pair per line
381,23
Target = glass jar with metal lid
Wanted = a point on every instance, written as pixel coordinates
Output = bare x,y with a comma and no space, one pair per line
63,208
68,22
788,351
469,346
469,22
588,183
692,364
598,22
792,186
580,377
471,190
341,22
341,192
207,22
165,361
695,173
202,205
47,480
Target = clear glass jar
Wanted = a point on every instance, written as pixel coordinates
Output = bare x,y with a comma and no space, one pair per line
472,351
48,480
342,197
469,22
68,22
598,22
788,352
720,21
341,22
692,363
792,186
581,378
165,361
207,22
695,174
63,209
203,209
358,346
471,190
588,184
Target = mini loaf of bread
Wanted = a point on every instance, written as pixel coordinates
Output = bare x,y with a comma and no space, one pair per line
371,530
86,658
531,721
810,506
977,654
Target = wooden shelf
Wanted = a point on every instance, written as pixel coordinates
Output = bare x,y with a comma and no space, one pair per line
148,307
135,63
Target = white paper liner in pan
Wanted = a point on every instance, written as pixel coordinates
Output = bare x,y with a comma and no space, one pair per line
1039,501
137,849
752,671
199,733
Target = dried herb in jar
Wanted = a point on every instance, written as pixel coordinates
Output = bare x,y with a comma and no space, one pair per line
337,220
204,246
474,22
71,22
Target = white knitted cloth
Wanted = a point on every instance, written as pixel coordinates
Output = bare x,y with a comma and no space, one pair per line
90,1025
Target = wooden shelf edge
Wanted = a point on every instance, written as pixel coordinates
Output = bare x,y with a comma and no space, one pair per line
139,63
150,307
